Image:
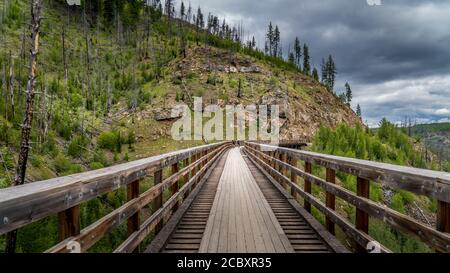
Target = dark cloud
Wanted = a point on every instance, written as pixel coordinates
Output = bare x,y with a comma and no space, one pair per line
372,45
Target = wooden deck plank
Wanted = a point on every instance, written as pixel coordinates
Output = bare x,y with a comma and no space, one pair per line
241,219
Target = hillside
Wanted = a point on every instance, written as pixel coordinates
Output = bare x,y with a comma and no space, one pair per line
120,80
436,137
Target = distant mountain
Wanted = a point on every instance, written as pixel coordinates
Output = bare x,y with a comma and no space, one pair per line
436,137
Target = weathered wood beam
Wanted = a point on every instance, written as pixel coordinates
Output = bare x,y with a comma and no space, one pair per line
22,205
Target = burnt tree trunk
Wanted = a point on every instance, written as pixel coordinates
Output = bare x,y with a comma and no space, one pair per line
19,179
11,85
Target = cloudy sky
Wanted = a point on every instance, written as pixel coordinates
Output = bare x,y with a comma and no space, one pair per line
396,55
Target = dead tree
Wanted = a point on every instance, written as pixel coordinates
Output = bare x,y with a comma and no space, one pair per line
239,92
19,179
11,85
66,73
5,88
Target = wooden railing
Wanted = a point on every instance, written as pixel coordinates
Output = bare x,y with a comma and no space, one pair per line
279,162
22,205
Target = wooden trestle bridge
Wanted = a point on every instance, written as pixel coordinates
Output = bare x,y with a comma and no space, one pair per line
227,198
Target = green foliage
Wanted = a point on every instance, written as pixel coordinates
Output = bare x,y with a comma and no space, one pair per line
77,146
109,140
14,18
8,135
62,164
96,166
99,156
388,144
397,203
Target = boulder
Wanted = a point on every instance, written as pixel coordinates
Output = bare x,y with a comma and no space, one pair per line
250,69
233,69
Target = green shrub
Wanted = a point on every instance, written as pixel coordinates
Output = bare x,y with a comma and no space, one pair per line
397,203
75,168
408,197
8,158
109,140
62,164
36,160
96,166
99,156
77,146
8,134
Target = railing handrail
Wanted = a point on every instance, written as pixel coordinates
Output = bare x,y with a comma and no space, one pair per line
34,201
282,165
420,181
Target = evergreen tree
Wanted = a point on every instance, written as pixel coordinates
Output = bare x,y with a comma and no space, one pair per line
276,42
358,111
348,93
298,52
199,22
315,74
182,11
306,60
331,71
291,58
343,97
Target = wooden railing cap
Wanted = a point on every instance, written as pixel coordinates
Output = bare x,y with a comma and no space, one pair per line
421,181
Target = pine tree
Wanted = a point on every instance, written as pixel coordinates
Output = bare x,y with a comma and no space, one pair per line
306,61
276,42
329,73
331,70
358,111
348,93
315,74
298,52
182,11
291,58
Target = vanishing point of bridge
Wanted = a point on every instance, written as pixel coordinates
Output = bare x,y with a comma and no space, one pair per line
221,197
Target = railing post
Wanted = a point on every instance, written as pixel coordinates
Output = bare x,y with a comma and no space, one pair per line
176,186
362,218
186,176
193,159
158,202
284,158
330,199
273,154
133,223
280,157
307,186
69,223
443,217
293,163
